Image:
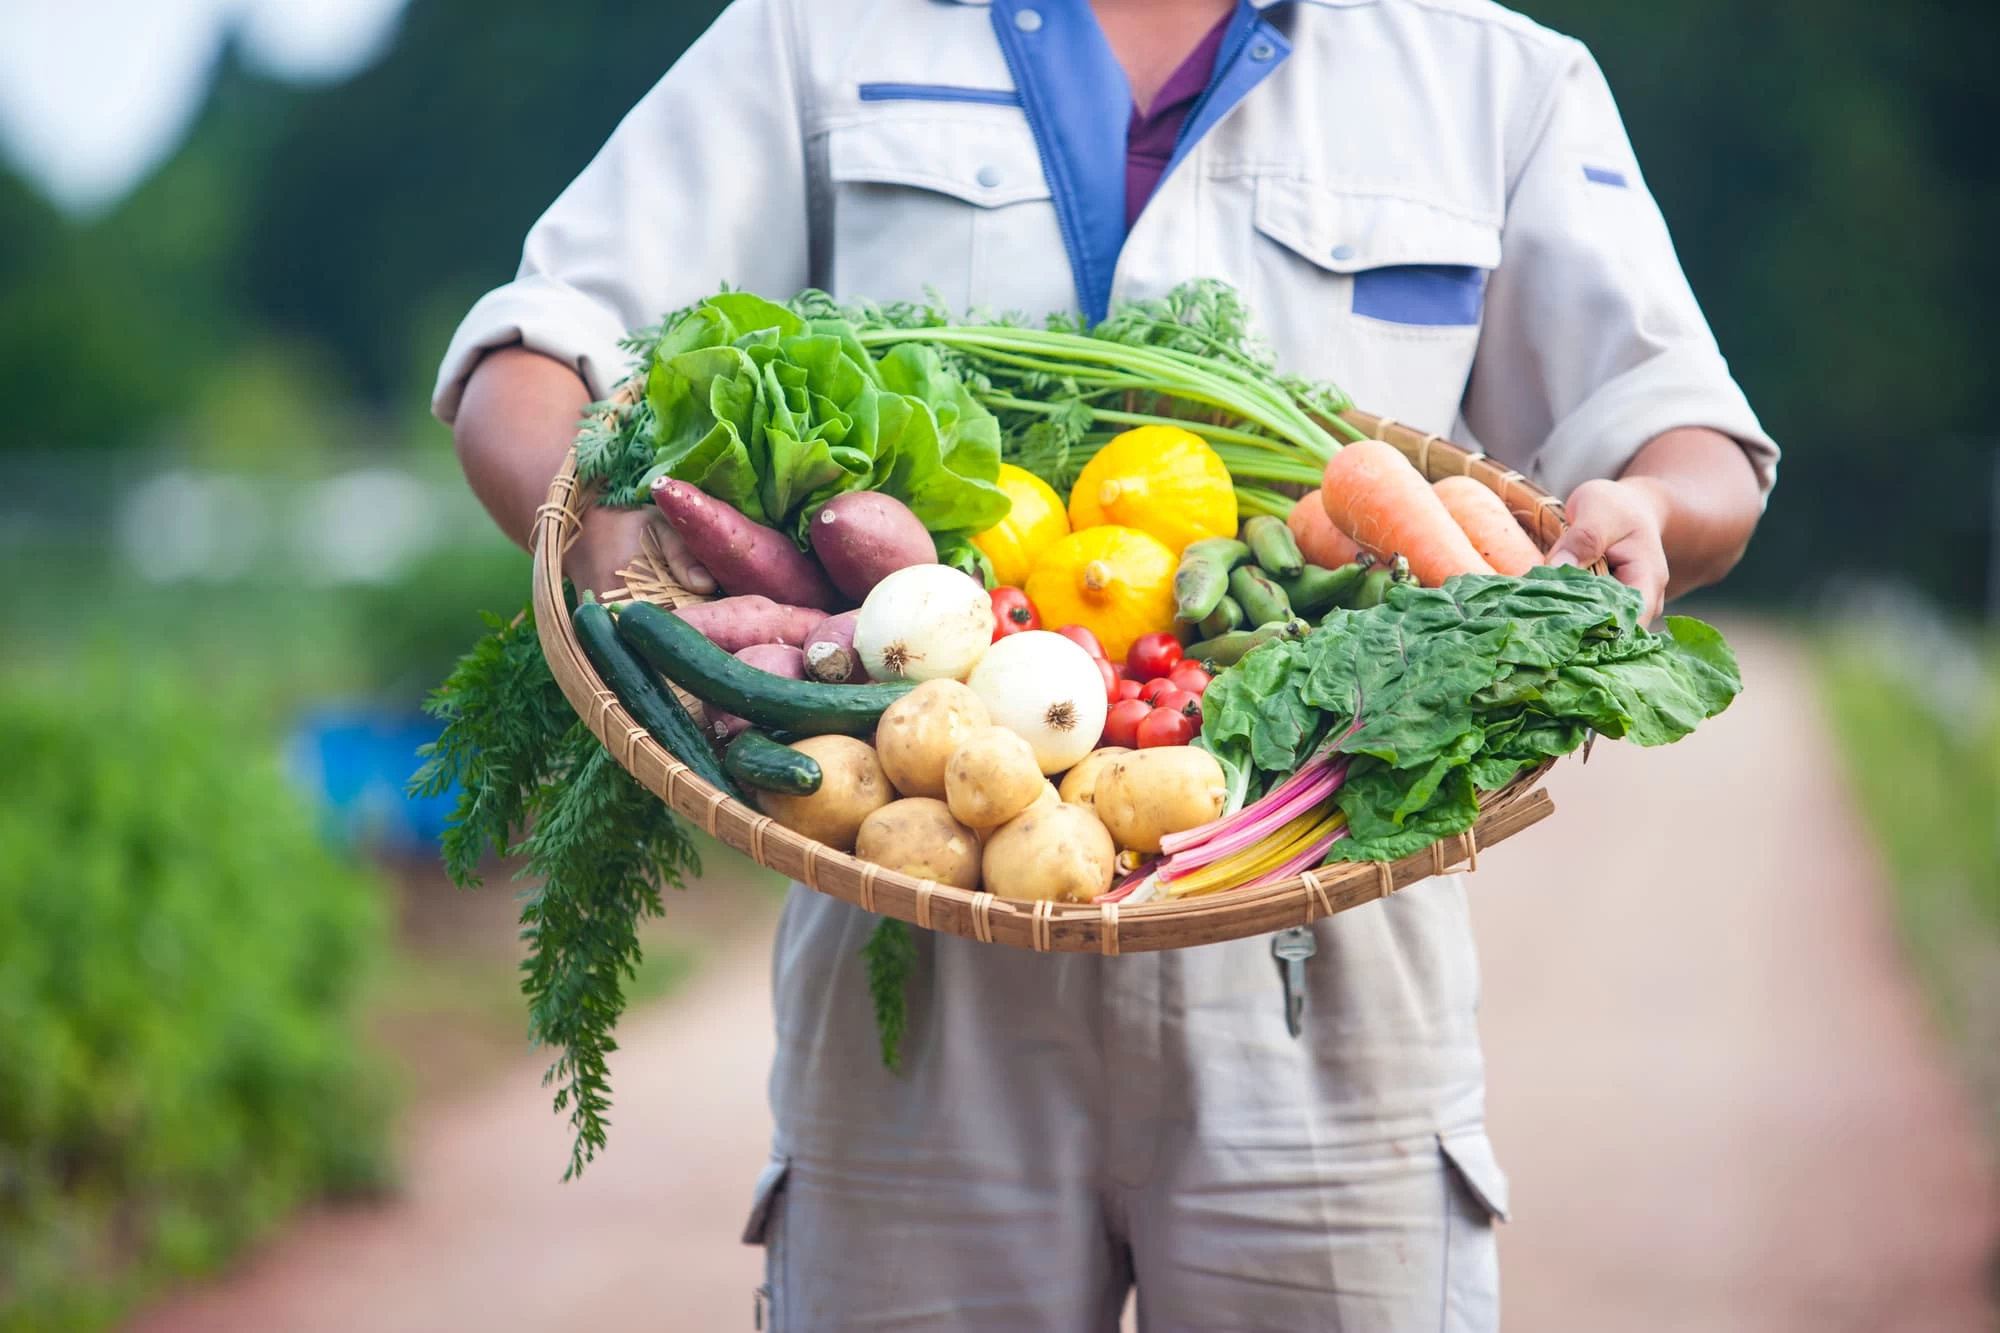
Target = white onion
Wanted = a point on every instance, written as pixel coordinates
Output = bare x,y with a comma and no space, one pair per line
924,622
1046,689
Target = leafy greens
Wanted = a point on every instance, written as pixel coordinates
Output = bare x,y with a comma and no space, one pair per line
1440,693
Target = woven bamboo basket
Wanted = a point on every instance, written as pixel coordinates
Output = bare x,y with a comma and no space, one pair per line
1100,928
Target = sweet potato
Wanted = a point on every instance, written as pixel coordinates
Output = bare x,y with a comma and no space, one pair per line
744,557
735,623
862,537
780,659
830,655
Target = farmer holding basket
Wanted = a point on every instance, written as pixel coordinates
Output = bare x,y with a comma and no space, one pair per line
1432,202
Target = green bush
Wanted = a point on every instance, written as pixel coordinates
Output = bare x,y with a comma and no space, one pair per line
180,958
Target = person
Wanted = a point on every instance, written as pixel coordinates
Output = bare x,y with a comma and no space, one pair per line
1430,202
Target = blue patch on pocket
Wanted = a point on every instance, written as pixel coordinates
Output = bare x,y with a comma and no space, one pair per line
1430,295
1606,176
938,92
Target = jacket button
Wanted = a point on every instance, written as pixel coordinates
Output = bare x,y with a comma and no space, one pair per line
1343,252
989,176
1028,20
1263,51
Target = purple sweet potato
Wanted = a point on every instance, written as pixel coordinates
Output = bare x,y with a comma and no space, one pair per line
745,557
780,659
862,537
830,655
735,623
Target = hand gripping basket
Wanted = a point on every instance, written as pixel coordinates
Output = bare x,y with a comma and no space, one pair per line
1106,928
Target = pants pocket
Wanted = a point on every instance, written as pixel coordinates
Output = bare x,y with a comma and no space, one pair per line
1477,1198
766,1227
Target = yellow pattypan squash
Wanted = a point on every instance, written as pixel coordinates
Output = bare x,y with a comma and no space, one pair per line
1116,582
1034,523
1159,479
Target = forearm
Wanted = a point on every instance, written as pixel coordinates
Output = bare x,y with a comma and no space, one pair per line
1708,501
514,426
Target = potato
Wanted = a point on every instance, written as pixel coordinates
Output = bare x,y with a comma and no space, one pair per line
1079,785
853,788
1052,851
917,734
1145,795
919,837
991,777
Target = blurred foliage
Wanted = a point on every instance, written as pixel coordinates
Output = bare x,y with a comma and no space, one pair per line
180,959
1829,171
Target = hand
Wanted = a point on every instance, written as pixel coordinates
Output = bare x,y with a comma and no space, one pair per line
612,539
1621,523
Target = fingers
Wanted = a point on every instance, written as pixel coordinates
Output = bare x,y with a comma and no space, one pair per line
1580,545
1642,566
687,571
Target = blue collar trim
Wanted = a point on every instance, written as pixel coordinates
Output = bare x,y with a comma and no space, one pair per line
1079,105
1251,50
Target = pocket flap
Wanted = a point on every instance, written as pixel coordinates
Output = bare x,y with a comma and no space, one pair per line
984,160
769,1183
1346,232
1470,1153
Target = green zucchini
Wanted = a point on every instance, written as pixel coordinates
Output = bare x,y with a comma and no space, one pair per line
678,651
652,704
756,760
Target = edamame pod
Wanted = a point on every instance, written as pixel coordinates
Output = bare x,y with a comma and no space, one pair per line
1274,547
1262,600
1227,616
1318,589
1203,577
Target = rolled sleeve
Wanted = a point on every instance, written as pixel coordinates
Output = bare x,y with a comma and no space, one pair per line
1593,343
702,183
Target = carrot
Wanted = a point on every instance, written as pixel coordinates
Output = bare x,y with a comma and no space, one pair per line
1488,524
1319,541
1373,494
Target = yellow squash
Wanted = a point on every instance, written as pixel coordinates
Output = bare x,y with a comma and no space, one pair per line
1159,479
1116,582
1034,523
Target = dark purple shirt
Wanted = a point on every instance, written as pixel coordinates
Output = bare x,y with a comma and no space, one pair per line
1149,141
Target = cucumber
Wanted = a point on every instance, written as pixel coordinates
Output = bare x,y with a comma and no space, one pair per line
652,704
1317,589
1202,580
679,651
1262,600
1274,546
1227,616
756,760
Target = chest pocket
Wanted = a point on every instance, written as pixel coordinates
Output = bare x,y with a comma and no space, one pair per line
1400,288
947,203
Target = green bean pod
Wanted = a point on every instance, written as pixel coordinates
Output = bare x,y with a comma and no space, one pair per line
1374,586
1227,616
1232,648
1274,547
1262,600
1203,577
1318,589
1399,571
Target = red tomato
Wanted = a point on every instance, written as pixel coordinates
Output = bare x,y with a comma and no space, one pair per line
1153,655
1154,688
1163,727
1083,639
1121,724
1012,613
1111,681
1189,676
1127,689
1173,699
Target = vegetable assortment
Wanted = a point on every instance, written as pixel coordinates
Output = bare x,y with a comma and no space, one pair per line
1004,609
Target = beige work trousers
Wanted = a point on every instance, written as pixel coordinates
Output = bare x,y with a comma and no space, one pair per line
1067,1126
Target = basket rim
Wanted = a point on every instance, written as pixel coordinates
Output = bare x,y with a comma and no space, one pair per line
1101,928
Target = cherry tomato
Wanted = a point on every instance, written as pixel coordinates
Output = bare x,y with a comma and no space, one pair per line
1084,639
1127,689
1012,613
1163,727
1121,724
1111,681
1154,688
1173,699
1153,655
1189,676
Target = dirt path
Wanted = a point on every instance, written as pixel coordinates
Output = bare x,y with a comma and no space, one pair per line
1712,1085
